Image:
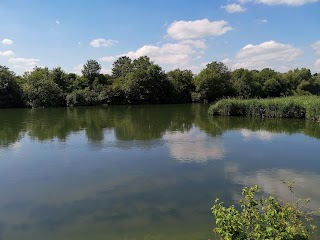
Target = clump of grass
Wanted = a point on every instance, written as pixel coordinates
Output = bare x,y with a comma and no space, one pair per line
287,107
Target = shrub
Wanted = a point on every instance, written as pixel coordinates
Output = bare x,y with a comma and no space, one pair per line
263,218
286,107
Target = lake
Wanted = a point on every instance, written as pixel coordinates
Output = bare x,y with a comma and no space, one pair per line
142,172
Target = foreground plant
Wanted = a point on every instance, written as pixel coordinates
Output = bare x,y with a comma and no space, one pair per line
264,218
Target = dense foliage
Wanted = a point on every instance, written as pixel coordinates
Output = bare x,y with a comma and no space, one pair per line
263,218
288,107
142,81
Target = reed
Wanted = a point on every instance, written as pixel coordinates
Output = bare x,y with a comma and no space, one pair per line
286,107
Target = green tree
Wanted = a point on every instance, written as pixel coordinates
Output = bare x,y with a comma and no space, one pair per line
82,97
297,76
212,82
10,92
182,83
40,90
309,87
91,70
60,78
121,67
246,83
147,83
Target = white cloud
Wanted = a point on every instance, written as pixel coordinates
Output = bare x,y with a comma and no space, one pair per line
7,54
24,61
101,42
7,41
171,53
261,21
108,59
77,69
181,30
316,47
226,61
176,54
24,64
57,22
317,66
196,43
267,54
281,2
234,8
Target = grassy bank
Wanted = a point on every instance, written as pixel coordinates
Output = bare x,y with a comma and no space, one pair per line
287,107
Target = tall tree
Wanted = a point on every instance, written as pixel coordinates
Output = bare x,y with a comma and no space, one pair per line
121,67
40,90
182,83
212,82
91,70
10,92
147,82
245,83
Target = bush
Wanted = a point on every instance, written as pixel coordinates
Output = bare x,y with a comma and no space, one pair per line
82,97
263,218
286,107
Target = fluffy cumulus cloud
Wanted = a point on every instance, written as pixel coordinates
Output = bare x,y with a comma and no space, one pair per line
181,30
195,43
267,54
101,42
281,2
108,59
24,64
234,8
175,54
317,66
7,41
316,47
187,48
77,69
6,54
25,61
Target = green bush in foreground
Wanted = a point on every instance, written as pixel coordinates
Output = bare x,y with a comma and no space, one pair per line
263,218
287,107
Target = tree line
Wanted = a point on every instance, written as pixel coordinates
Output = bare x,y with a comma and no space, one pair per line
141,81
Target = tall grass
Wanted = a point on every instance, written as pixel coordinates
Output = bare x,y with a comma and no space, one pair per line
287,107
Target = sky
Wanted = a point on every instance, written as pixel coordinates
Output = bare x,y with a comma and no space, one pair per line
185,34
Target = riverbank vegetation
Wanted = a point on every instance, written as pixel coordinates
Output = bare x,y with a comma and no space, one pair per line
290,107
264,218
141,81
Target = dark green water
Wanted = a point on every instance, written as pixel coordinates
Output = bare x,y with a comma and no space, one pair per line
142,172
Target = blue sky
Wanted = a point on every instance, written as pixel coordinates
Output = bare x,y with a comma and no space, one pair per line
254,34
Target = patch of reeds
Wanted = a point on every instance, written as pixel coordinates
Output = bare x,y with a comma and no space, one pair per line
287,107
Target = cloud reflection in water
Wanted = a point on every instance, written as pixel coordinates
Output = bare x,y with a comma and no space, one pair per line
194,146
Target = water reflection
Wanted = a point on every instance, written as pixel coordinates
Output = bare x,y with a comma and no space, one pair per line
271,180
194,146
261,135
141,172
142,123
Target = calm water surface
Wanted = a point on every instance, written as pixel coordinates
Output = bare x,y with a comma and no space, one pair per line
142,172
